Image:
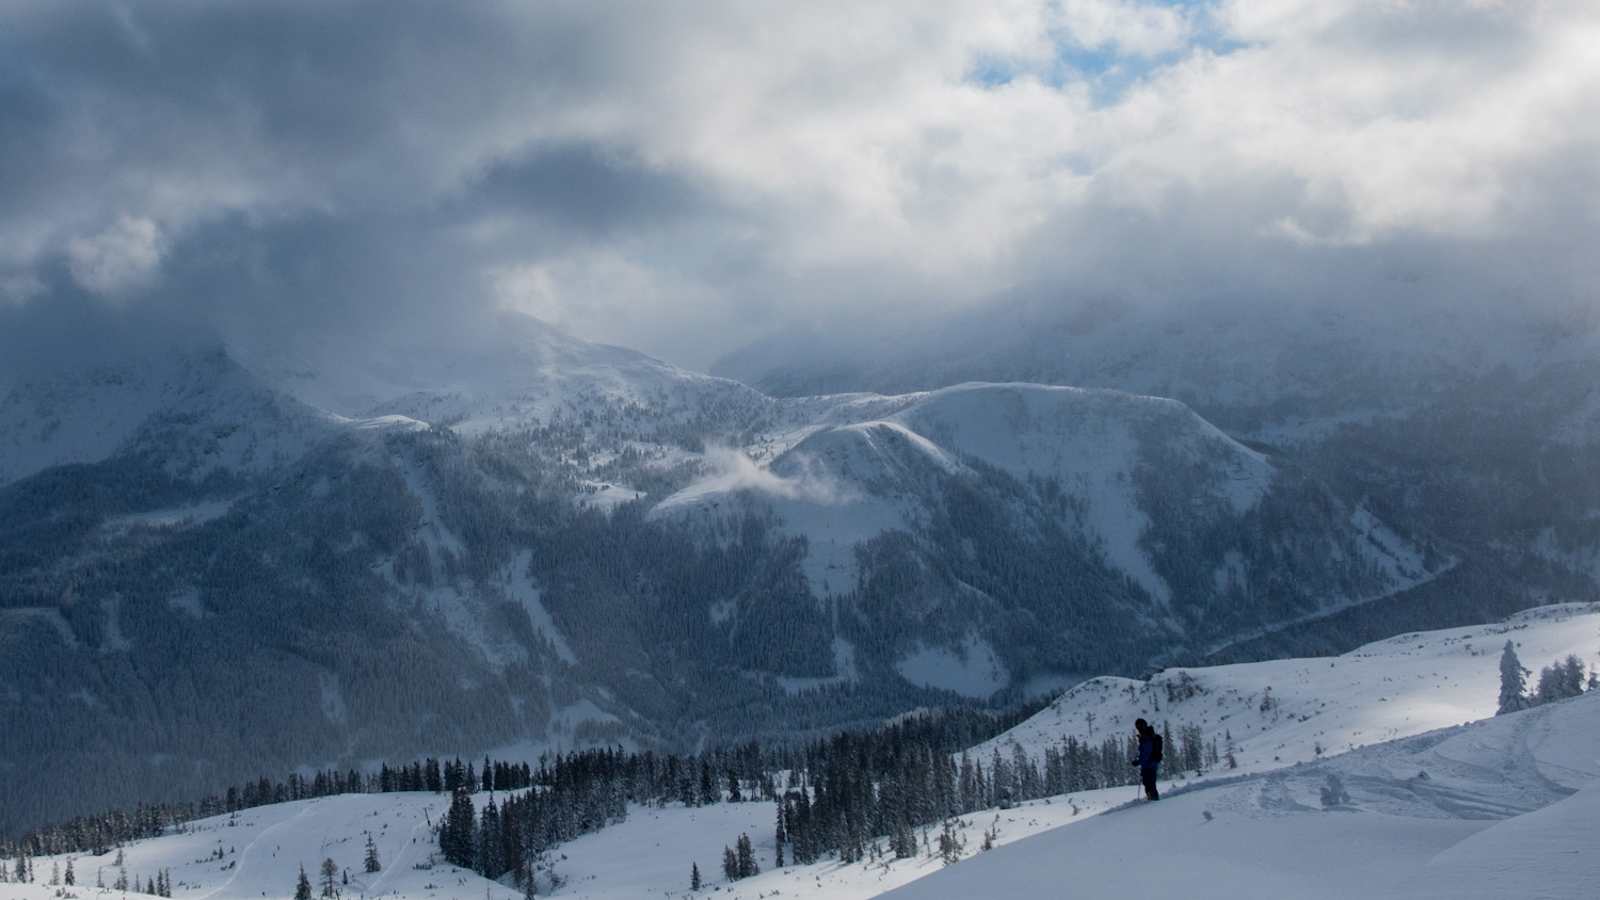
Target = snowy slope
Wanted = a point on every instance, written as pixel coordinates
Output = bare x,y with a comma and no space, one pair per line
194,411
263,848
648,855
1502,809
1385,690
1495,809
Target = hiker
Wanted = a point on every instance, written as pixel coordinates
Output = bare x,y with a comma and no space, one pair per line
1149,758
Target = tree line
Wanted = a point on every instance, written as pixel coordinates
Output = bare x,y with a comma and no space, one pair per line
858,786
564,796
1557,681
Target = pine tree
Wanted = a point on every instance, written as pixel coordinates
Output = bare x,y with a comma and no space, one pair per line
745,857
1513,681
530,884
371,863
950,843
1168,748
1572,676
329,871
694,876
708,786
71,878
488,843
302,885
781,836
457,832
55,873
1550,687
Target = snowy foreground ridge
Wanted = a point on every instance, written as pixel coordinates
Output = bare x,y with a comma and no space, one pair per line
1438,799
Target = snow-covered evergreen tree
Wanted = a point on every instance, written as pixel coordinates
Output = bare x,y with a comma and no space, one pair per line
302,885
371,863
1572,676
1513,681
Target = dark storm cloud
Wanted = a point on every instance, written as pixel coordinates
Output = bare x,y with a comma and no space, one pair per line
303,165
587,187
685,179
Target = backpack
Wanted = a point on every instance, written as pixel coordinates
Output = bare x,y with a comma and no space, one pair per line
1155,748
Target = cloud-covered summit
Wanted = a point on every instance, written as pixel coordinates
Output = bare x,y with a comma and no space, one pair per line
686,179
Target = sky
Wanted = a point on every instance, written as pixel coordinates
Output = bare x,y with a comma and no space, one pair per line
688,178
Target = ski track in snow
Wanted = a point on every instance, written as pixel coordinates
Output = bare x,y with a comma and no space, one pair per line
249,848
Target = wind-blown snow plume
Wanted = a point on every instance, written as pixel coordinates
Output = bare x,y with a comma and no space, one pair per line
731,470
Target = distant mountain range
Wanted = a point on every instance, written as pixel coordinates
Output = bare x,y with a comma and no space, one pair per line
215,562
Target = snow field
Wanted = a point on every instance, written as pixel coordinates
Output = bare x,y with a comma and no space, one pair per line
1495,809
1389,689
1502,807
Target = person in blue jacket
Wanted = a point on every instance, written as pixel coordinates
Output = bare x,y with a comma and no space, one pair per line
1149,758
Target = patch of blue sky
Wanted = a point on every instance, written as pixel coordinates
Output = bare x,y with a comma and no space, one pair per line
1105,69
992,71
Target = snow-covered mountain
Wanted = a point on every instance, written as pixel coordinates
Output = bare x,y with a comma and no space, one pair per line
571,543
1471,422
523,374
864,475
1126,486
1436,797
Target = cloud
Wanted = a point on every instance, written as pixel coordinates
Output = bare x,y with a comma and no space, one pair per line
686,183
1140,29
123,256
